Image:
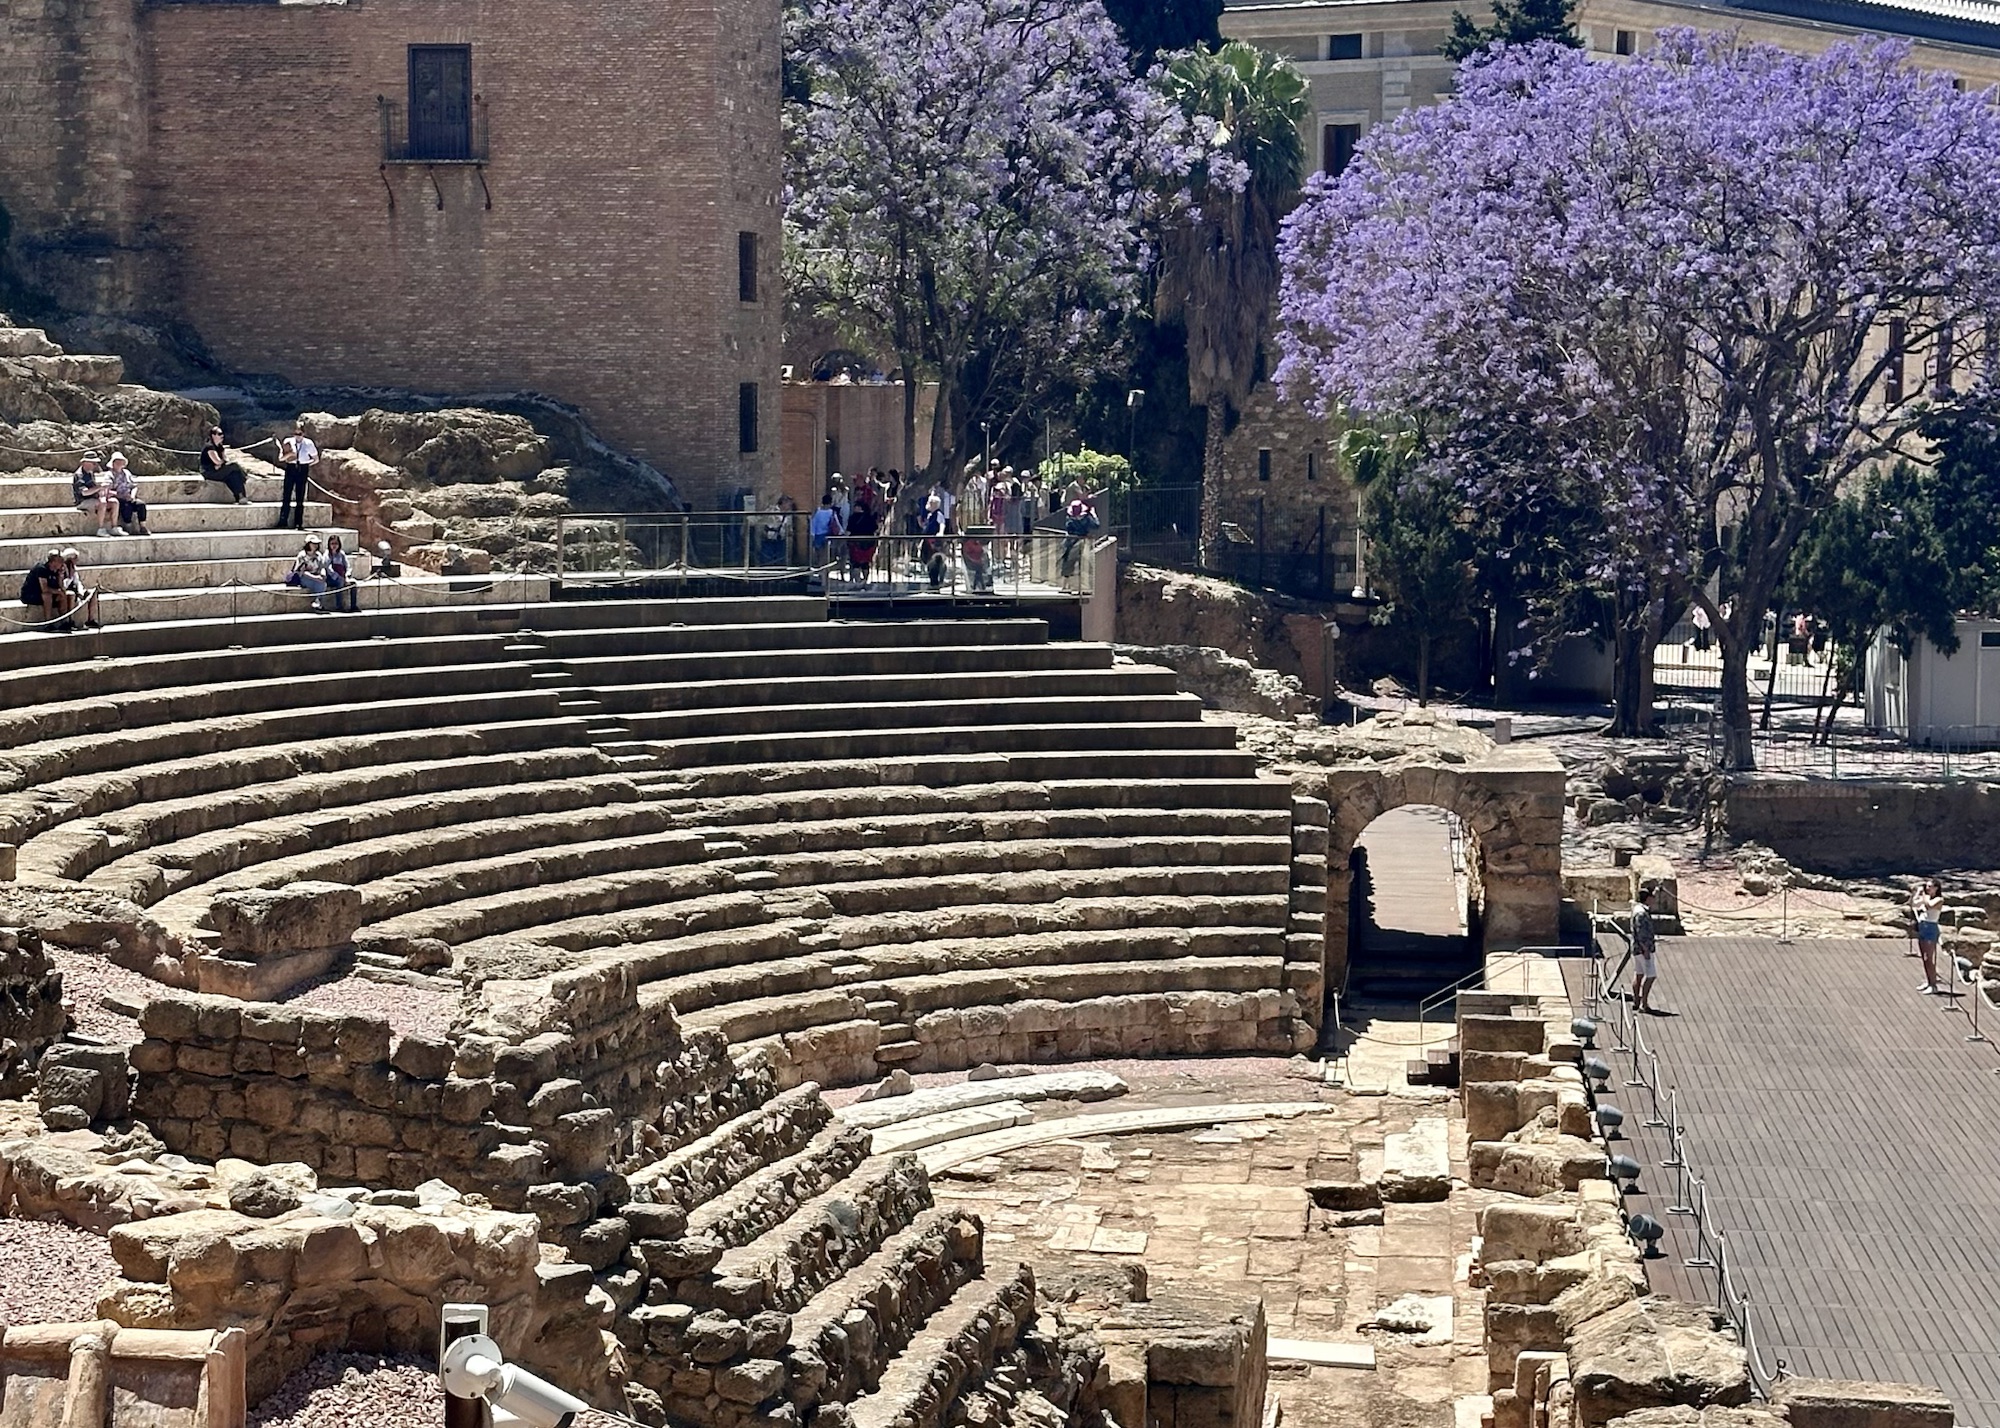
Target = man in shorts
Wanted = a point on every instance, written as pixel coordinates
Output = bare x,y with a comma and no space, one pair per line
1645,951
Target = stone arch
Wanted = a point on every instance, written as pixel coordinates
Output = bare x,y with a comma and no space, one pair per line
1511,801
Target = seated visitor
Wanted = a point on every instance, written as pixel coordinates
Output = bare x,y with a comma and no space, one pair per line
216,466
42,589
77,598
131,510
345,596
90,490
309,571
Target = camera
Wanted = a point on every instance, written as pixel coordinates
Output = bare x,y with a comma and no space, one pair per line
474,1367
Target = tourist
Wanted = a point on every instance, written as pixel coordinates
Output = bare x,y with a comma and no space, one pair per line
309,571
1927,906
298,455
777,532
338,582
1029,501
861,528
42,589
131,510
1002,512
978,564
1645,952
946,503
216,466
90,488
76,596
1704,636
936,526
978,491
826,527
1079,520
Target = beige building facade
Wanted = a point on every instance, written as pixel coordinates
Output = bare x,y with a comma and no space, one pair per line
1369,60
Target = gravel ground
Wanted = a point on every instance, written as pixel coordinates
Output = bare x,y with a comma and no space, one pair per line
50,1273
86,978
406,1009
363,1391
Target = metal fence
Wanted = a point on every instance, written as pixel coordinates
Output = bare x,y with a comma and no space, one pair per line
1690,1193
1688,658
1964,751
776,547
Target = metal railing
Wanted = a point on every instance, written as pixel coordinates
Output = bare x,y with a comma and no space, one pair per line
1690,1193
754,547
1519,957
973,564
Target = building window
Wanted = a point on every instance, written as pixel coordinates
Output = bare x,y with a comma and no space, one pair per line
1345,46
1312,466
1264,463
1337,143
440,102
1989,639
1892,365
746,418
1623,42
746,266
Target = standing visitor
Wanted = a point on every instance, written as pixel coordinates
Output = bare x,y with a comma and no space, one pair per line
1079,520
825,526
936,524
1703,635
216,466
1927,906
978,489
1645,951
298,455
131,510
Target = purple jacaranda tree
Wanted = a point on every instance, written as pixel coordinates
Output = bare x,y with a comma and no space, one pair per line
969,184
1677,296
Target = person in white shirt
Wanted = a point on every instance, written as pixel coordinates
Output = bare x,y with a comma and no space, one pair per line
298,454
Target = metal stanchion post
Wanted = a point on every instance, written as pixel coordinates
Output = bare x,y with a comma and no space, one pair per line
1701,1258
1654,1121
1785,914
1976,996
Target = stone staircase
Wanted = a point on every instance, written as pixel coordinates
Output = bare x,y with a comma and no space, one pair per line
208,558
789,1276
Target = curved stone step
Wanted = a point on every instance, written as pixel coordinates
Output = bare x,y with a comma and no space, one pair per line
769,1196
820,715
914,687
827,1236
861,1321
951,1352
970,919
706,1167
1201,745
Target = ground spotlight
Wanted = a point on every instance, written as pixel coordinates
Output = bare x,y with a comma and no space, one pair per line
1647,1231
1585,1031
1597,1071
1609,1118
1625,1169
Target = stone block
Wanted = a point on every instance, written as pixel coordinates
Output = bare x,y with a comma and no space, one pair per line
1840,1403
1501,1033
1653,1352
1534,1232
254,923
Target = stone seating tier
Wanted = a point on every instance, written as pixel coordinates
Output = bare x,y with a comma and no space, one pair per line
775,866
208,557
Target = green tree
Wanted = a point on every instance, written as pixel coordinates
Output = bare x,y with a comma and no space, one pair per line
1219,274
1878,561
1515,22
1420,539
1964,498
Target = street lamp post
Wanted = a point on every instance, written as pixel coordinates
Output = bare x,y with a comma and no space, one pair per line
1134,399
987,463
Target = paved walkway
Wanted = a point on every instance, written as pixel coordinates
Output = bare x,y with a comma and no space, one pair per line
1849,1139
1411,939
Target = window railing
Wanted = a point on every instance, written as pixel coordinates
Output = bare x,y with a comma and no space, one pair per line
434,144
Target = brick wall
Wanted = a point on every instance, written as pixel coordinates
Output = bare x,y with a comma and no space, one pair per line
629,145
72,133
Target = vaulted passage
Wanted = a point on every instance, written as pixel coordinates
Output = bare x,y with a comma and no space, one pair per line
1413,920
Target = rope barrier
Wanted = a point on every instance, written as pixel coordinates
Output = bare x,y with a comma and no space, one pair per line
80,451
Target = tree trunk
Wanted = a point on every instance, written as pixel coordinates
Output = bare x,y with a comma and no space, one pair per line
1208,550
1630,713
1423,668
909,417
1737,754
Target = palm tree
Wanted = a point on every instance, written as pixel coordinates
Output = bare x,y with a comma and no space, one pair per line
1219,273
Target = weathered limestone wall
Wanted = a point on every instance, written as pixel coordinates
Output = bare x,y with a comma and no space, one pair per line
348,1097
1854,827
31,1010
1511,798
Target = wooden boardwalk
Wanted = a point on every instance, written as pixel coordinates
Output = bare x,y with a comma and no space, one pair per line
1849,1141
